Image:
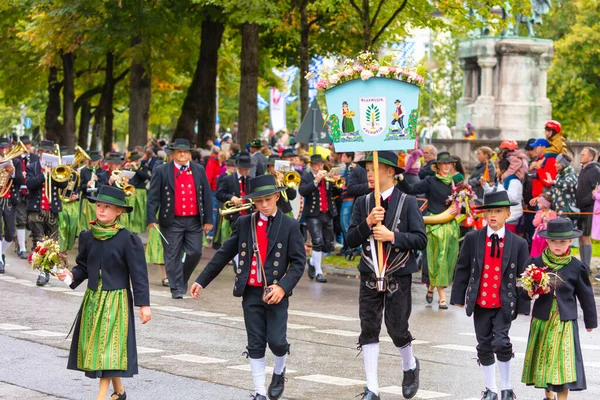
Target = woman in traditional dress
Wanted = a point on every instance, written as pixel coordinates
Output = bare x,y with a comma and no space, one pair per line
442,239
347,122
553,360
110,257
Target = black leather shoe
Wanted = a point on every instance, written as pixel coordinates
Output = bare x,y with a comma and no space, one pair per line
22,254
177,295
410,382
311,270
120,396
507,394
321,278
368,395
259,397
277,385
1,268
489,395
42,279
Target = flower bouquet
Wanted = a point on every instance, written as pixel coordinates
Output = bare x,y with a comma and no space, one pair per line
535,280
462,196
47,258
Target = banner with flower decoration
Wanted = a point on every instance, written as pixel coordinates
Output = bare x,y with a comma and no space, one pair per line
372,105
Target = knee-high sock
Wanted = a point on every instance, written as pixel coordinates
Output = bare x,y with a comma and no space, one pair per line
408,359
587,256
5,246
236,260
279,364
257,365
490,377
371,359
316,261
504,367
21,233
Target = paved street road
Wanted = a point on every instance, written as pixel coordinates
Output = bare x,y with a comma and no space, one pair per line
192,349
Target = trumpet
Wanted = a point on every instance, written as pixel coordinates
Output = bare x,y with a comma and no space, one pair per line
122,182
331,177
5,179
72,172
291,179
229,208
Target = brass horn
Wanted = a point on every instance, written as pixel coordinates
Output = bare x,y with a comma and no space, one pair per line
291,179
441,218
5,179
229,208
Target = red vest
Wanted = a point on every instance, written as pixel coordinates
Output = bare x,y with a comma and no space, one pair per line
263,245
243,191
491,278
324,204
45,205
186,204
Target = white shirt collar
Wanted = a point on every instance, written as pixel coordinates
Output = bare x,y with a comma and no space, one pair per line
179,165
499,232
264,217
387,193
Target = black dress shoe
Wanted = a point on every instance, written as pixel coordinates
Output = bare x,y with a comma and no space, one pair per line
321,278
1,268
277,385
311,270
368,395
507,394
120,396
177,295
259,397
42,279
489,395
22,254
410,382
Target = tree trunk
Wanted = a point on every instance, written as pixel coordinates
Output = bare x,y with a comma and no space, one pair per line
108,97
84,124
52,125
139,100
366,24
199,104
304,59
68,134
248,110
97,128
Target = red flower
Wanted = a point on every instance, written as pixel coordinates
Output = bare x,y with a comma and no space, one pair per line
43,251
30,258
537,275
37,249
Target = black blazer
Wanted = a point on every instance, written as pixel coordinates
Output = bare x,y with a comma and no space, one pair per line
31,158
142,175
575,285
35,185
357,183
161,195
312,201
285,261
435,190
469,269
409,235
17,181
227,187
85,175
283,204
121,259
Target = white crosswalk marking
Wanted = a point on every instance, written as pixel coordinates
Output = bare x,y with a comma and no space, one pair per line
172,309
79,294
204,314
54,289
13,327
196,359
298,326
593,364
159,294
268,370
235,319
44,333
148,350
7,278
421,394
457,347
331,380
414,342
323,316
338,332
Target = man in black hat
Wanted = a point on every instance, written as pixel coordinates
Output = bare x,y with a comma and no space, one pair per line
289,194
234,187
44,202
180,194
9,199
398,117
489,264
401,232
271,262
21,164
319,210
258,158
91,178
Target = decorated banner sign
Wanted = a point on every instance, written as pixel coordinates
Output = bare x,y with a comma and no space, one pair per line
376,114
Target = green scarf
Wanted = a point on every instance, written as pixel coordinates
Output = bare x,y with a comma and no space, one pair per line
447,180
555,262
105,232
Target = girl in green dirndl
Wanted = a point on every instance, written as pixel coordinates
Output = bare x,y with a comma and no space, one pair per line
109,258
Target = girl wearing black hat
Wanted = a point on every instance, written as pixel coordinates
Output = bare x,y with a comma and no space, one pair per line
110,257
553,360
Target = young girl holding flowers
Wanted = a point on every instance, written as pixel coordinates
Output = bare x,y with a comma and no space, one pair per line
553,360
109,258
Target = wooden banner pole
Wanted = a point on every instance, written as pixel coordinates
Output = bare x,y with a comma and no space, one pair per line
380,280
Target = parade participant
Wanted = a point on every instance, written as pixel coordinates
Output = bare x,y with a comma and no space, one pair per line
234,187
44,204
553,360
21,210
442,239
402,231
137,199
259,160
8,202
180,195
288,194
513,186
68,218
490,262
319,210
91,178
588,181
272,257
223,230
109,258
554,135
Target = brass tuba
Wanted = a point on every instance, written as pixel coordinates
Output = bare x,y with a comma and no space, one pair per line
80,156
122,182
5,179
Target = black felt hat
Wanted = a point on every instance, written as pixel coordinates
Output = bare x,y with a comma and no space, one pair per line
25,139
180,144
111,195
272,159
47,145
496,200
244,160
256,143
95,155
444,157
386,157
316,158
114,158
287,153
261,186
560,229
134,156
4,142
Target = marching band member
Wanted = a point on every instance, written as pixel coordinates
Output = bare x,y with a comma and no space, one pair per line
272,257
223,230
68,219
288,194
138,199
21,219
180,194
234,187
8,202
319,210
44,204
402,231
91,178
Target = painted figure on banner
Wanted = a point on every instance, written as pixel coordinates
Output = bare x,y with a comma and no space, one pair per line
398,118
347,122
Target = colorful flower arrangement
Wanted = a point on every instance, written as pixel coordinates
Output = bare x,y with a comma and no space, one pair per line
46,256
535,280
462,196
366,67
